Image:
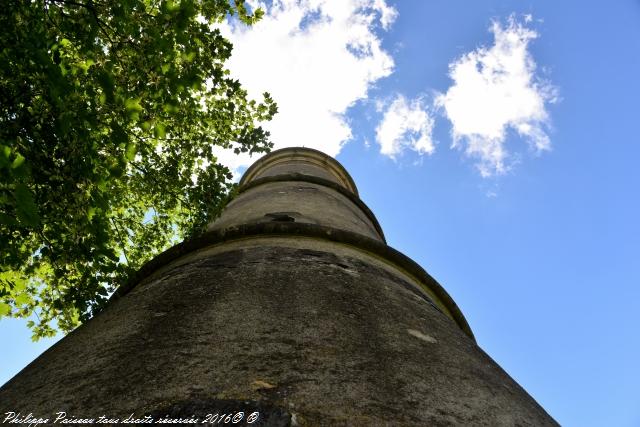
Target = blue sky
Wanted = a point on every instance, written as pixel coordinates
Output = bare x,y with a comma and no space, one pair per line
496,142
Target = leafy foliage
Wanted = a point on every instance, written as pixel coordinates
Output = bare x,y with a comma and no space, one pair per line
109,114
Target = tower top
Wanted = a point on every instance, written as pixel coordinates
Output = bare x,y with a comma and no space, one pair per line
299,161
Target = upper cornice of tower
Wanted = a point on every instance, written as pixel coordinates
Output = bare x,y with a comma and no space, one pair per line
299,160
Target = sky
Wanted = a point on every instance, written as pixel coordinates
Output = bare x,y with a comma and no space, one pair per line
496,141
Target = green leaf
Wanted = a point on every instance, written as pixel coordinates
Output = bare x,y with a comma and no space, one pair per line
106,83
7,220
5,153
130,151
133,105
26,206
159,131
91,212
5,309
18,161
22,299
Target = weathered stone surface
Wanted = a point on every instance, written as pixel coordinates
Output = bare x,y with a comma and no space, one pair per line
299,201
341,339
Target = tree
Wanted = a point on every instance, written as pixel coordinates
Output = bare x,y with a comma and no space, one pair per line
109,114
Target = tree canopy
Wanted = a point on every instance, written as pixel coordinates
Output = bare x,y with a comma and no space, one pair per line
109,115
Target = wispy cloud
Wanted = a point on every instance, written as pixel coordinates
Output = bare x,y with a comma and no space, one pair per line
316,58
405,124
496,89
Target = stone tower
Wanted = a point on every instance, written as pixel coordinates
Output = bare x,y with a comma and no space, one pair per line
291,307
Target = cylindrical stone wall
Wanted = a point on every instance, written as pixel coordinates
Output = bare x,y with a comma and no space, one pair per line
291,306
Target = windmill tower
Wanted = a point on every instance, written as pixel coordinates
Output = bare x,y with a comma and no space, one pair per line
291,308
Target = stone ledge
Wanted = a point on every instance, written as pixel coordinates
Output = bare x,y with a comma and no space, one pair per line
293,229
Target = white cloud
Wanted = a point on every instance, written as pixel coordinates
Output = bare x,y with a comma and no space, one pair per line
405,124
316,58
496,89
387,13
